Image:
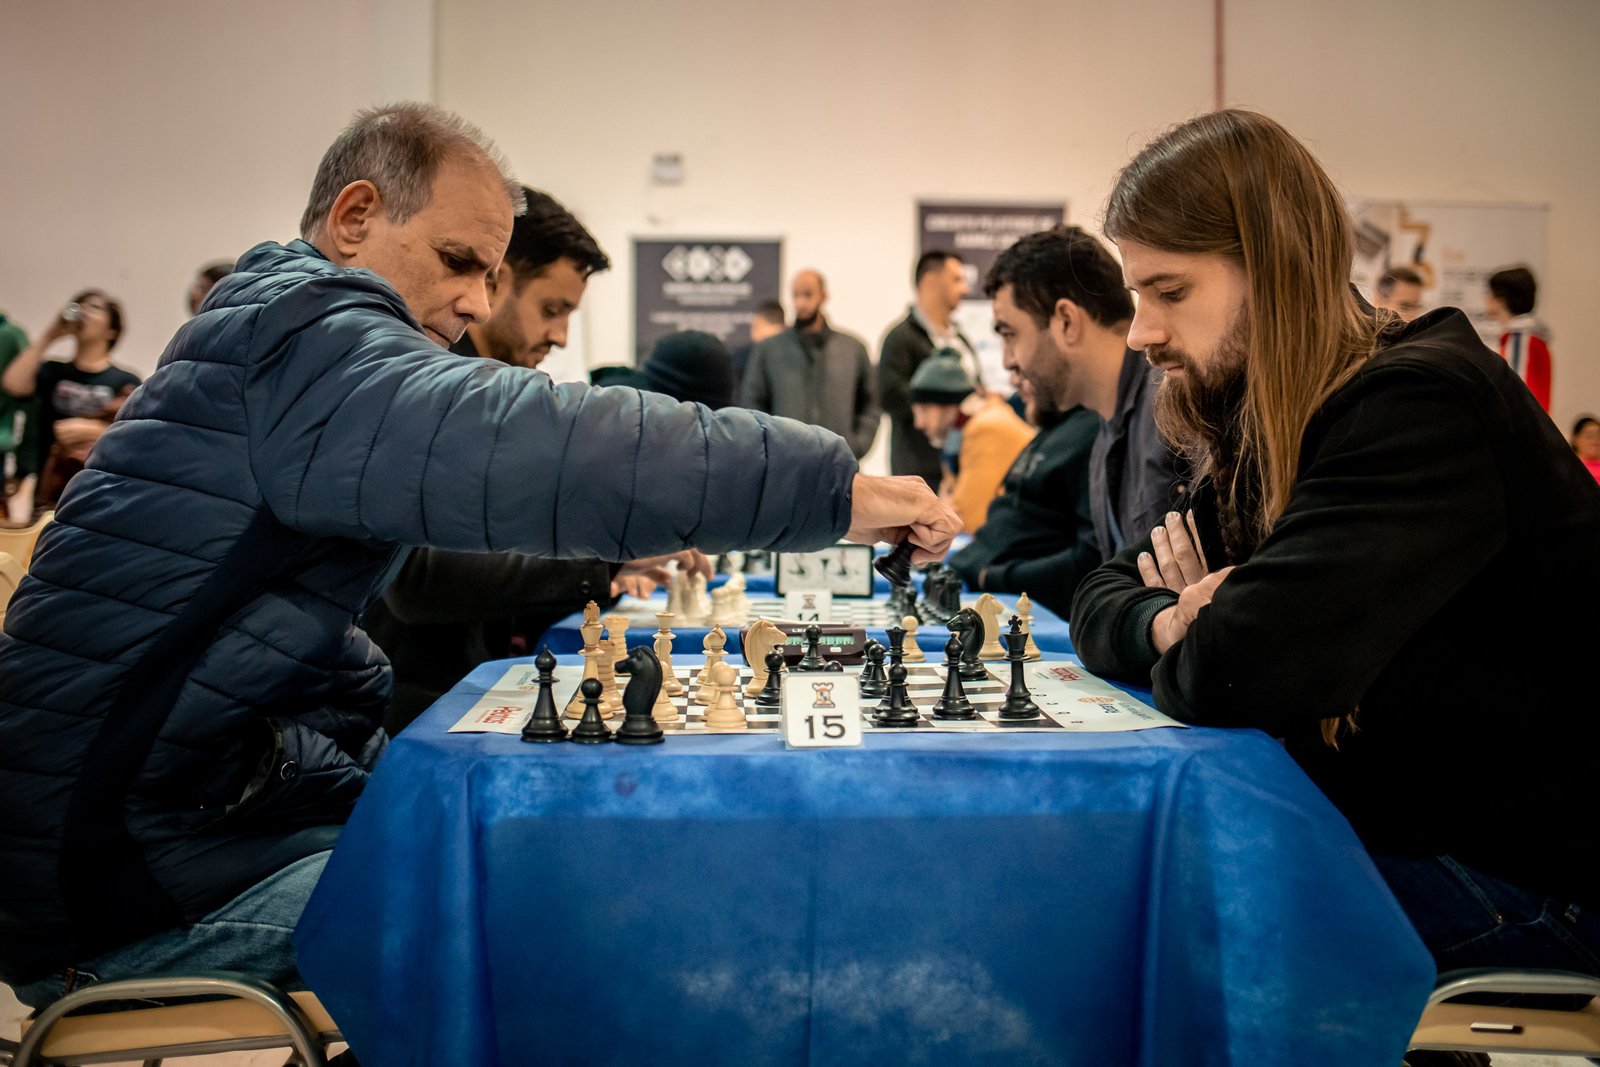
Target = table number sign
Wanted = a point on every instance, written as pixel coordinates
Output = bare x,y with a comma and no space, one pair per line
821,709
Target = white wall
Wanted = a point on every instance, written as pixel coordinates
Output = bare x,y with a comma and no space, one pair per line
143,139
826,121
1464,100
822,122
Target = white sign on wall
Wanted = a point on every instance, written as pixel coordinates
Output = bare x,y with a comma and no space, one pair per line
1454,247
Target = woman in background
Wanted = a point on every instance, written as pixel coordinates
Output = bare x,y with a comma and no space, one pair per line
1586,443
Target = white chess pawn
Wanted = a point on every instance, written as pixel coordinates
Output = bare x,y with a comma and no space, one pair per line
913,651
724,712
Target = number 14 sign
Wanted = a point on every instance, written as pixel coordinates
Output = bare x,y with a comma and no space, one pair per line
821,709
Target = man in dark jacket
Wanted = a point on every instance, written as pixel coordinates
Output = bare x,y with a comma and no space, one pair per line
814,373
941,284
1379,499
1039,538
1062,314
187,708
446,612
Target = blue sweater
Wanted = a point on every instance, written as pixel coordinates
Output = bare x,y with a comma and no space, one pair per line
304,397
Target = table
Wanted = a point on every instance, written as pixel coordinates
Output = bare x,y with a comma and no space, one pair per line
1050,631
1169,896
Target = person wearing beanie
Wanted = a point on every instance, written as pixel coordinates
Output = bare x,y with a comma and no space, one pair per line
945,402
691,365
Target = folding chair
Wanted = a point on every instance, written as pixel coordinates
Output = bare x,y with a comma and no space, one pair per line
254,1015
1538,1029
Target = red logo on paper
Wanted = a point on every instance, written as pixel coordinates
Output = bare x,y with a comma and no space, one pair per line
824,692
1066,674
498,715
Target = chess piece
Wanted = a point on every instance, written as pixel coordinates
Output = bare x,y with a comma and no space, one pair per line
545,724
812,660
950,593
928,607
613,651
714,645
723,712
698,611
669,677
677,586
989,610
590,629
760,637
639,698
953,702
771,695
1025,613
902,600
874,682
968,629
591,729
739,601
913,651
723,608
896,566
897,643
1019,702
897,709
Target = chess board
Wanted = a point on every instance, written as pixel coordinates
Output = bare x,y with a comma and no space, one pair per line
867,614
1069,697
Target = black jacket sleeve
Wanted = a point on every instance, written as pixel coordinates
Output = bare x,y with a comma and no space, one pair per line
439,586
1111,615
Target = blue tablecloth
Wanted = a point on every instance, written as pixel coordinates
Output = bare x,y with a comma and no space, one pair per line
1161,897
1049,629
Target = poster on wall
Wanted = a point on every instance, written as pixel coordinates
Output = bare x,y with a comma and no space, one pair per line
978,233
701,283
1454,247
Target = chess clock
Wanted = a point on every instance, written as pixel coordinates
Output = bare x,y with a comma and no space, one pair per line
843,570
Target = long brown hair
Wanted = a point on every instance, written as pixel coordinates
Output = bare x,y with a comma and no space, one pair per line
1237,184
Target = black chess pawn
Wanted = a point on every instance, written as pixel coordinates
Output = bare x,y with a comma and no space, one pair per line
639,726
545,724
591,729
874,682
812,660
896,566
967,625
1019,702
771,695
897,709
953,702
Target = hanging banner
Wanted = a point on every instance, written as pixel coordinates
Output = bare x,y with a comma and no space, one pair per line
1454,247
978,233
703,283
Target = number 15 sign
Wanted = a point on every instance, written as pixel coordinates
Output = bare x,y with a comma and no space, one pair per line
821,709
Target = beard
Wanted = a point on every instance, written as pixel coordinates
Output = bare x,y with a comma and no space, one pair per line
1202,415
805,322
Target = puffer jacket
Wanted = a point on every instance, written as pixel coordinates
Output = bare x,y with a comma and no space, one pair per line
302,429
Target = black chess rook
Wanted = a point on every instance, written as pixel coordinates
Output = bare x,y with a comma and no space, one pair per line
896,566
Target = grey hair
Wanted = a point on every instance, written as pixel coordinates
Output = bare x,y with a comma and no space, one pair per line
398,148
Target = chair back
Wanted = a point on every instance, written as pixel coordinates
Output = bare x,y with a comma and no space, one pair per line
18,542
1550,1013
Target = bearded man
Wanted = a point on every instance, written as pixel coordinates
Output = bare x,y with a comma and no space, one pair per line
1388,562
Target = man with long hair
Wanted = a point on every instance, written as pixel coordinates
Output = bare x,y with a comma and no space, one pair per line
1387,561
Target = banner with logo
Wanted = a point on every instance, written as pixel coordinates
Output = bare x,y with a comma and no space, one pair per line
1454,247
709,284
978,233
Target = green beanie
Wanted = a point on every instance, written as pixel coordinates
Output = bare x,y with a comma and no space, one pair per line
941,380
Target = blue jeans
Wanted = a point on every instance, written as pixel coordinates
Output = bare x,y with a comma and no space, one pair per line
250,933
1469,919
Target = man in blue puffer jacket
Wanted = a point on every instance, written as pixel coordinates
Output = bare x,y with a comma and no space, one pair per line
187,708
